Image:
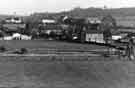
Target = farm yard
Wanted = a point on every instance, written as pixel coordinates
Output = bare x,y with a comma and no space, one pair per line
38,72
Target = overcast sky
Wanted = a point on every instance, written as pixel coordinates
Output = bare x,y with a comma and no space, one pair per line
25,7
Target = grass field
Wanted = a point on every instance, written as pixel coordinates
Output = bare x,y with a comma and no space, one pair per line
45,44
57,74
128,21
28,72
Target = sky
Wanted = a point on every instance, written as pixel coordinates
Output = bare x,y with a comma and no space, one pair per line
26,7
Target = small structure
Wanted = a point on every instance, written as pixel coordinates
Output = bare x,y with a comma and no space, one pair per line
13,20
48,21
50,28
18,36
93,20
8,38
13,24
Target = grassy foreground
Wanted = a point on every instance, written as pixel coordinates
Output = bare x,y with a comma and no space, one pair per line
37,72
67,74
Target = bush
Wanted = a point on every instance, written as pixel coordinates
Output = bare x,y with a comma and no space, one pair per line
23,50
2,48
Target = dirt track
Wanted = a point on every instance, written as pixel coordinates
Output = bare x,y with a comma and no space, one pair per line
20,73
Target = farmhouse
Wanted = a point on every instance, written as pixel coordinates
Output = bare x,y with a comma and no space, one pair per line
13,20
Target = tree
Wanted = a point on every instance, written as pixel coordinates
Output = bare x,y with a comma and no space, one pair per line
108,23
108,26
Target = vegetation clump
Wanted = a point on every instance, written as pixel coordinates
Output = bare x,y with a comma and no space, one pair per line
2,49
21,51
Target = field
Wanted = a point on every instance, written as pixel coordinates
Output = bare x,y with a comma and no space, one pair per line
39,72
126,21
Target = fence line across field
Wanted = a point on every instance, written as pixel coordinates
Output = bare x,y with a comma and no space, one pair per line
62,51
46,52
46,55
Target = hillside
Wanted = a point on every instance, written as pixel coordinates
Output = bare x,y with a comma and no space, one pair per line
81,12
123,16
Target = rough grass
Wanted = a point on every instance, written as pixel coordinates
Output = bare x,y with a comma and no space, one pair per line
46,44
37,72
65,74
